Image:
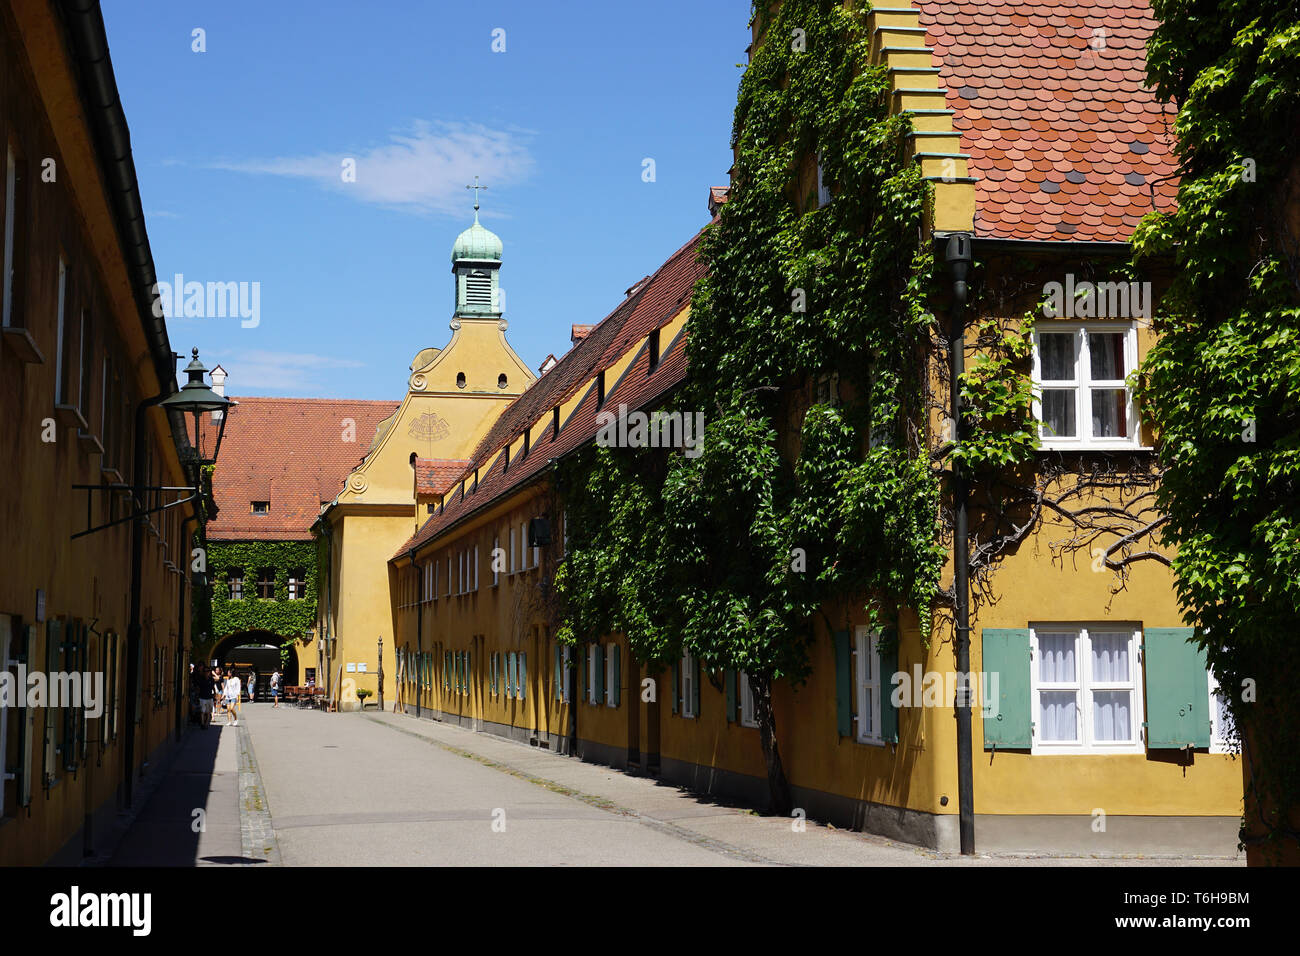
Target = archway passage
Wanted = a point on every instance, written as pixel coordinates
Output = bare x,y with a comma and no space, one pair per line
259,651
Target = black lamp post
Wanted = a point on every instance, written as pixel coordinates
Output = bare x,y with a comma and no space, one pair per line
193,398
381,675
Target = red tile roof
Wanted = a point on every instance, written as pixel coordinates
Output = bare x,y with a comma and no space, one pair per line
291,452
580,332
435,476
1065,139
655,304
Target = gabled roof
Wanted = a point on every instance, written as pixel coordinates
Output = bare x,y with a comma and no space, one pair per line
655,304
292,452
1065,139
435,476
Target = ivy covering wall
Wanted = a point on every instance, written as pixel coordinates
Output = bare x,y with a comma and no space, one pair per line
281,616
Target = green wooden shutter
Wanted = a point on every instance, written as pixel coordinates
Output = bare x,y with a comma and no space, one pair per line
615,688
598,677
677,683
1007,723
887,657
523,675
843,684
695,690
1177,689
729,678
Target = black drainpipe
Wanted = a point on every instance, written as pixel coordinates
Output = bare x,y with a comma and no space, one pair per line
958,256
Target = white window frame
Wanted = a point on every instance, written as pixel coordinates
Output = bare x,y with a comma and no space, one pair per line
748,717
591,673
609,674
1084,687
1082,384
866,676
474,565
688,685
511,569
823,191
1220,741
496,546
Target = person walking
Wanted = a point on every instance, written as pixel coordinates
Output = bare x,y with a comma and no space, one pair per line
218,691
232,698
206,690
252,686
275,688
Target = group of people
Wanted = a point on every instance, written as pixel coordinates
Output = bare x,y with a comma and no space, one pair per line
222,693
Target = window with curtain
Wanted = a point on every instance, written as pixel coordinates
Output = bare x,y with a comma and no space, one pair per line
1085,689
1081,400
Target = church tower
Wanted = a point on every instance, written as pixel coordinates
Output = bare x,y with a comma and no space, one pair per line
476,263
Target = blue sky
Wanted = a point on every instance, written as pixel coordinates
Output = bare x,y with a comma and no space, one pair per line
239,153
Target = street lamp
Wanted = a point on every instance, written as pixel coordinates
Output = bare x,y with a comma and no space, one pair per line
381,675
195,398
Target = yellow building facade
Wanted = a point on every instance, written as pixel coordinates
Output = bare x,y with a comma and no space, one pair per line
1099,733
453,396
81,353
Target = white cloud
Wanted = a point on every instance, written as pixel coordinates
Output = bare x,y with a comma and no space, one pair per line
302,373
424,169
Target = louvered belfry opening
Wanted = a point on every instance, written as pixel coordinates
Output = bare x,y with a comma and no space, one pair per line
478,289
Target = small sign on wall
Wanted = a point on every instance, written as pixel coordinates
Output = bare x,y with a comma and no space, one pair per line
352,668
361,668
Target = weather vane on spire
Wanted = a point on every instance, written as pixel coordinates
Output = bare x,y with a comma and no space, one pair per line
476,187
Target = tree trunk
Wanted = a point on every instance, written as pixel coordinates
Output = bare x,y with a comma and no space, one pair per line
778,786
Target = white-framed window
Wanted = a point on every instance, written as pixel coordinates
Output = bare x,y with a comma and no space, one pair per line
496,549
512,566
1080,399
747,715
688,684
823,190
566,661
449,575
591,673
867,685
523,546
1086,696
460,572
1223,734
474,574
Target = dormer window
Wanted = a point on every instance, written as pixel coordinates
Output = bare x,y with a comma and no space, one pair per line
653,348
600,389
260,507
555,421
524,452
460,379
501,380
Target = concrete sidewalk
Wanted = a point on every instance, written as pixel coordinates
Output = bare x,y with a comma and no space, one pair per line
733,832
193,816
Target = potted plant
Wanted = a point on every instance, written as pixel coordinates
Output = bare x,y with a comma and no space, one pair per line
362,695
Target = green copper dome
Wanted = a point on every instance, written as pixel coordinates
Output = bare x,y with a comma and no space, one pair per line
477,243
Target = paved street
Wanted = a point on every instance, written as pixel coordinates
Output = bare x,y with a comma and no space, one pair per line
302,788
